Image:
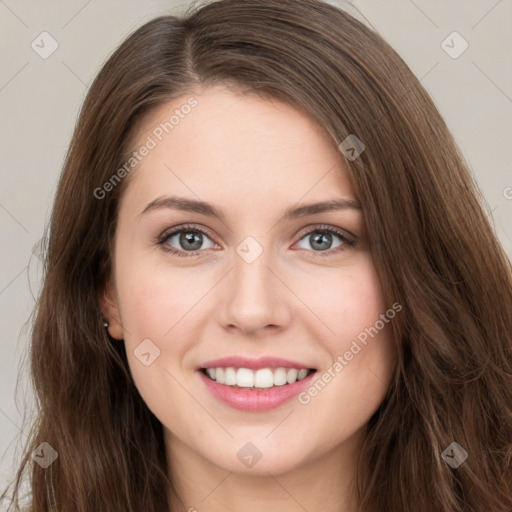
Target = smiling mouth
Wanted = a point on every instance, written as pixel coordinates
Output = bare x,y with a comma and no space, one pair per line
263,378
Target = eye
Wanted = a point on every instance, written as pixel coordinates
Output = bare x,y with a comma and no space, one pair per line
190,241
320,240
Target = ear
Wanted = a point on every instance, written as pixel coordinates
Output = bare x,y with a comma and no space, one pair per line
110,309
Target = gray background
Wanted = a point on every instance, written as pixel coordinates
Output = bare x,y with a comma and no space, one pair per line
40,99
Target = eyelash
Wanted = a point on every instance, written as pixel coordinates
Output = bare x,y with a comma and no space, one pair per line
190,227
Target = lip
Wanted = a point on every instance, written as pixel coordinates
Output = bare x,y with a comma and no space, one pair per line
255,400
254,364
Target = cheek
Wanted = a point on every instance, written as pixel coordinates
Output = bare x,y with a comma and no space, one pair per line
365,335
347,301
361,347
157,300
162,304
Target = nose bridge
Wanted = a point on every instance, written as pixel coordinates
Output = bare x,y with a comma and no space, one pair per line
254,298
251,273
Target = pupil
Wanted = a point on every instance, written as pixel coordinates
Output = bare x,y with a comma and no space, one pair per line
325,237
189,237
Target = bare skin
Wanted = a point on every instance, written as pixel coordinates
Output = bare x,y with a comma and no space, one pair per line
252,159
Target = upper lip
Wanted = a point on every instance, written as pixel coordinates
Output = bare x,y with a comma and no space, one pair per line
253,364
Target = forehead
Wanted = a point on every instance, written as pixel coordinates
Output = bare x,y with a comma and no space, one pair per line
238,148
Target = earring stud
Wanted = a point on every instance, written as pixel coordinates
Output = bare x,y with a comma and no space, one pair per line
105,324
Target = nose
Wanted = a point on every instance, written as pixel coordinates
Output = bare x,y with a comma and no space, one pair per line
254,298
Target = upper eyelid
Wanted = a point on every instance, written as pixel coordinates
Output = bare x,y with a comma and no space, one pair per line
173,231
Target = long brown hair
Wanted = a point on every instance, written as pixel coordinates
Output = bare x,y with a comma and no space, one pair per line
433,247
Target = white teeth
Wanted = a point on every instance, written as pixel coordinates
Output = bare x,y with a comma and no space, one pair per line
302,373
230,377
245,378
280,377
219,375
262,378
291,376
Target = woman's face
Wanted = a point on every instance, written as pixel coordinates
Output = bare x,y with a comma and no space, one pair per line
254,282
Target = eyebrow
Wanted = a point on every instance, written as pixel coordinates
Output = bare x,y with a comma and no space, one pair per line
204,208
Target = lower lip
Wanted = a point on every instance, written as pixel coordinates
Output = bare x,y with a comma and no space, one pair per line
255,400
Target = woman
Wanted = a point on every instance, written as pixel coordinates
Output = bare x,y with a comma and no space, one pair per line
339,336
